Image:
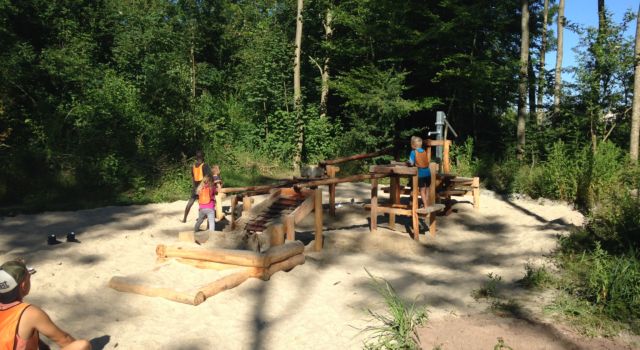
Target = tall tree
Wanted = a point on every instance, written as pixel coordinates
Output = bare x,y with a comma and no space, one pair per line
297,91
557,88
635,114
523,78
541,69
324,92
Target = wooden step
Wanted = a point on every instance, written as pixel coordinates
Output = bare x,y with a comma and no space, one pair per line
431,209
448,193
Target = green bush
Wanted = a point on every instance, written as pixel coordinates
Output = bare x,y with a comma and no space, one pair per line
611,283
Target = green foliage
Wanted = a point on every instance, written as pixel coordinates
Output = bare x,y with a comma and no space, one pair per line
398,328
374,102
462,160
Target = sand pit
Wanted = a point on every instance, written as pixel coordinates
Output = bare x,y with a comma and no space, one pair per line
318,305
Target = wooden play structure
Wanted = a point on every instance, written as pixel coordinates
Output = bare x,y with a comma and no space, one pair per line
394,206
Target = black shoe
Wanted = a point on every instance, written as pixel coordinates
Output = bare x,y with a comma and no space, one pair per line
51,239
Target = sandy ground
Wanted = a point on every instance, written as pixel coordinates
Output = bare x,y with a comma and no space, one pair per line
318,305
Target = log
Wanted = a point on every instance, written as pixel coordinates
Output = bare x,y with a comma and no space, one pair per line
414,207
288,264
283,252
124,284
356,157
209,265
227,282
225,256
290,227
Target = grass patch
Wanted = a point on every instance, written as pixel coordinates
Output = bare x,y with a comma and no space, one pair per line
536,277
489,288
398,326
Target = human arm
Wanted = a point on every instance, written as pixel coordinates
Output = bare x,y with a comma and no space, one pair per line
412,158
35,318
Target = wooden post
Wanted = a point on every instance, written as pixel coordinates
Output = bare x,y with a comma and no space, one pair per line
246,203
234,204
331,173
289,227
475,185
318,217
394,194
414,207
219,212
374,204
446,166
432,197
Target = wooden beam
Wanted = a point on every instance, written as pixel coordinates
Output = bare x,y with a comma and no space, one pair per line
318,218
356,157
338,180
476,192
394,195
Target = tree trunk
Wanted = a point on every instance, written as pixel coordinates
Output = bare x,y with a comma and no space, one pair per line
541,70
297,92
324,92
532,88
557,89
635,114
522,85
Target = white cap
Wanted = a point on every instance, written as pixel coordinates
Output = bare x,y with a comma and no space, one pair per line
7,282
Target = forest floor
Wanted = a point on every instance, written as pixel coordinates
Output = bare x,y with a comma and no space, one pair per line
319,305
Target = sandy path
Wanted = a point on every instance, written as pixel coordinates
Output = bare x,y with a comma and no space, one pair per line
318,305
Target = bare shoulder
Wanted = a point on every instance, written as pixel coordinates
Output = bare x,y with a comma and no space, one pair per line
34,313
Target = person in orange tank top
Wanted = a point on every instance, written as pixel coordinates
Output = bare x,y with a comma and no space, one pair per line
198,171
22,323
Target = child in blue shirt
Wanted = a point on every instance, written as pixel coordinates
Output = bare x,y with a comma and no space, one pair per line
418,158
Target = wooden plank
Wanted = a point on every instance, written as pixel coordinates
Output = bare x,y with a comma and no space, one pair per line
219,213
393,169
446,166
356,157
374,205
318,219
337,180
303,209
449,193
